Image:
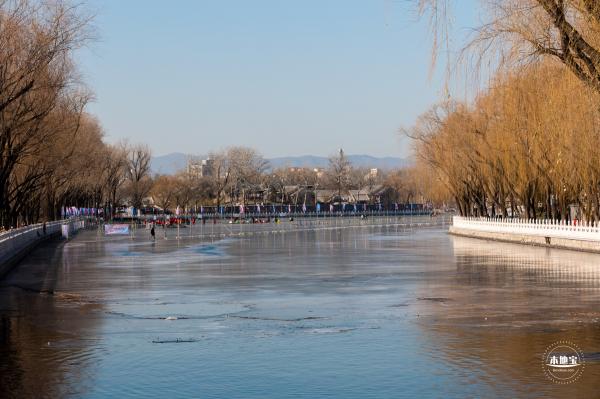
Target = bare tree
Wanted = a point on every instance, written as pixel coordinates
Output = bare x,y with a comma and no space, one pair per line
221,174
521,31
235,170
247,168
114,164
163,191
137,171
41,100
339,172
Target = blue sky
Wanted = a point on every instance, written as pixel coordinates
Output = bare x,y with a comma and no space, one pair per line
285,77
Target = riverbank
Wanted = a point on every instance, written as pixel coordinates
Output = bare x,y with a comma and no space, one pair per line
540,233
18,243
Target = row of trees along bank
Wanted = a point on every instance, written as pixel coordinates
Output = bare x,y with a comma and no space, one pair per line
240,175
527,145
51,150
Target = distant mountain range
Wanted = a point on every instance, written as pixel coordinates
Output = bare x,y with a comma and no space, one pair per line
171,163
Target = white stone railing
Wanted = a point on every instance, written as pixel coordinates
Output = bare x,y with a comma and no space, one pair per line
15,242
30,231
540,228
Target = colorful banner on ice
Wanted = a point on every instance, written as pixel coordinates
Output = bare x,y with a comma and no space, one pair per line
116,229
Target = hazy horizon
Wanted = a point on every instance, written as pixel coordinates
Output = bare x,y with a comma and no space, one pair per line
173,162
333,153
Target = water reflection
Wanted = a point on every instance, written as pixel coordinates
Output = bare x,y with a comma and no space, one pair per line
487,261
504,305
42,332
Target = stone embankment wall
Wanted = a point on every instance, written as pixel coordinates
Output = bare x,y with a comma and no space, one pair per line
17,243
539,233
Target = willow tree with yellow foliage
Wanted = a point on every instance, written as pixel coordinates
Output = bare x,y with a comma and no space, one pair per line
525,145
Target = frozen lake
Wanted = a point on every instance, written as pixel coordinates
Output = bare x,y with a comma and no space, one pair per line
366,312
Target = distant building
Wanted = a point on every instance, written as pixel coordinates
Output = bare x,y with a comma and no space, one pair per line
319,172
382,194
207,168
327,196
203,168
194,168
361,196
